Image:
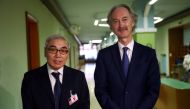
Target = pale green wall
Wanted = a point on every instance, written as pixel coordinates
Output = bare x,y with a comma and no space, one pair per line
145,38
13,55
162,38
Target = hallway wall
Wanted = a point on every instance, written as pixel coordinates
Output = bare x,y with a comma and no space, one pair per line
13,45
162,40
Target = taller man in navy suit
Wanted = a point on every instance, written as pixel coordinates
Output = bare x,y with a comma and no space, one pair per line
139,88
41,89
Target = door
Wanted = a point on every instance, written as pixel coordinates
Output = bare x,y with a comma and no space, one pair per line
32,42
177,50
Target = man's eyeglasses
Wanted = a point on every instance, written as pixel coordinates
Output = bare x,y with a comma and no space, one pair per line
54,50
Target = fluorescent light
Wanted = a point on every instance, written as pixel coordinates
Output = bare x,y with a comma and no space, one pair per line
105,38
111,33
152,2
101,22
103,25
104,19
157,19
96,22
96,41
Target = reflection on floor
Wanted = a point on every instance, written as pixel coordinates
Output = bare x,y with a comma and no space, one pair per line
89,73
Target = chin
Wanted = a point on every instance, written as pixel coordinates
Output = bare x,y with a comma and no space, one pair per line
122,36
56,67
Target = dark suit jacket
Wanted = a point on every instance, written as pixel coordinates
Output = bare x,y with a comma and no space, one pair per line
139,90
37,92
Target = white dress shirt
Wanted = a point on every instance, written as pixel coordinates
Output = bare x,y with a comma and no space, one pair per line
52,79
129,51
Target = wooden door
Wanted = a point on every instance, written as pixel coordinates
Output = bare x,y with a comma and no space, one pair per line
176,47
32,42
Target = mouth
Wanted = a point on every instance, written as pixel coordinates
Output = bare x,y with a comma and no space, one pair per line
58,62
122,29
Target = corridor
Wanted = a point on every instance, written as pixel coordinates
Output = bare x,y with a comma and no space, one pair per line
89,68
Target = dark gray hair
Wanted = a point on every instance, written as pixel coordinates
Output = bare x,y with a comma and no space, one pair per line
55,36
133,15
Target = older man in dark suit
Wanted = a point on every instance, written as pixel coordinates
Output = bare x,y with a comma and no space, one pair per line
127,73
54,85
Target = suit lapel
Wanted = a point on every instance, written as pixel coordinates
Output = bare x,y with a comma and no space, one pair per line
117,60
135,58
45,81
65,86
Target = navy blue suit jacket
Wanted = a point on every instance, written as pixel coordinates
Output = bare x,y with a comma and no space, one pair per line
139,90
37,92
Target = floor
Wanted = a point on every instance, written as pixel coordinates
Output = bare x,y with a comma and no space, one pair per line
89,73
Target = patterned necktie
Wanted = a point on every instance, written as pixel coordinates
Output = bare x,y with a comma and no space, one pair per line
125,61
57,89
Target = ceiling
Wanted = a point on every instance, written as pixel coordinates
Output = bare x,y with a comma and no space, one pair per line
81,14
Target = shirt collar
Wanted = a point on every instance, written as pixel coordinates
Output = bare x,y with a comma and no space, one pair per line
50,70
129,45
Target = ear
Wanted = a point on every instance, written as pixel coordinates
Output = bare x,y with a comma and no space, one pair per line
133,24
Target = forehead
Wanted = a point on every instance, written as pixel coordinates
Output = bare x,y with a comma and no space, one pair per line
120,12
58,43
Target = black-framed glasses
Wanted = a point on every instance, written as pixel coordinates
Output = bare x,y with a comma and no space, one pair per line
54,50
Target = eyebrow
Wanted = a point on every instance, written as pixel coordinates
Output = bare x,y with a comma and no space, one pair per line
64,47
125,17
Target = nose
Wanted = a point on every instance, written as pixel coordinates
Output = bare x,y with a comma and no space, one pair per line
121,23
58,54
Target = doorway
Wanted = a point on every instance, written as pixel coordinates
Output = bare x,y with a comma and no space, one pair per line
32,42
177,50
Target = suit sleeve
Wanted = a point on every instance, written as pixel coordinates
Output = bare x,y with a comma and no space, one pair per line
101,91
26,93
153,83
85,104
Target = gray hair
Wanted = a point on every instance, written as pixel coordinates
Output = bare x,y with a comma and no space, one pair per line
55,36
133,15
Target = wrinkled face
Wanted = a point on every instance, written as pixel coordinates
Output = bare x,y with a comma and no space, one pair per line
122,23
56,53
